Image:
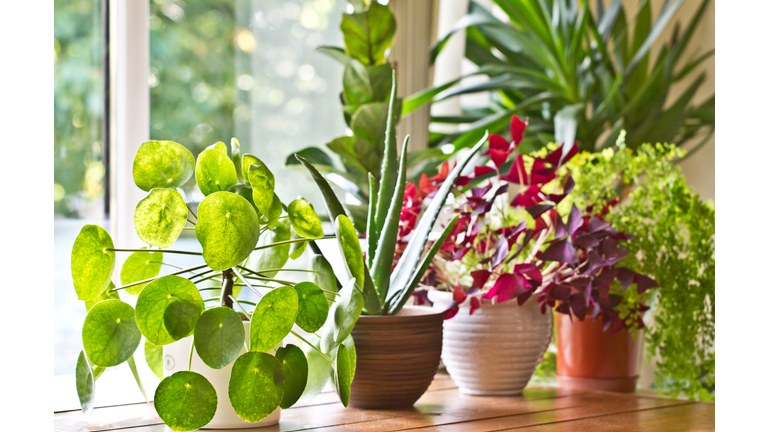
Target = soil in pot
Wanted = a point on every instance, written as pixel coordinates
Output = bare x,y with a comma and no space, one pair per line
494,351
590,359
397,357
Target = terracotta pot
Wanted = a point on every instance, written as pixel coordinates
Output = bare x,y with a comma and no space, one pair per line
494,351
590,359
397,357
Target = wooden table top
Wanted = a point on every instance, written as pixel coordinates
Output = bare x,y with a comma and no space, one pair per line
443,408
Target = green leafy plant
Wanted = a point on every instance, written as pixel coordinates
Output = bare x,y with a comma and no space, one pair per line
674,243
247,236
367,80
578,73
385,289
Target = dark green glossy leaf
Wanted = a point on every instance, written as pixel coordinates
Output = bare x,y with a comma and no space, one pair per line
214,171
342,371
335,53
227,228
185,401
313,306
273,257
356,84
219,336
106,295
256,386
174,296
319,370
324,276
86,384
331,201
368,34
263,184
110,334
162,164
273,318
140,266
237,159
304,219
153,354
369,125
295,370
312,154
92,264
341,318
160,216
350,248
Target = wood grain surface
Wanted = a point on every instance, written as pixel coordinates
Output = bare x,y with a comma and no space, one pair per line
443,408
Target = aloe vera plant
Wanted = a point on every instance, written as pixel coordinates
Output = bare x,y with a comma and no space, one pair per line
385,290
247,236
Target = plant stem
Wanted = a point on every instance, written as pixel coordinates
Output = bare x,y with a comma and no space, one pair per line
227,282
246,282
234,300
284,269
191,350
280,243
193,213
155,250
248,302
316,348
157,277
190,221
260,276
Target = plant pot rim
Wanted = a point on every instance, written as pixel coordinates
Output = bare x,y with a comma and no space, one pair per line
438,296
405,312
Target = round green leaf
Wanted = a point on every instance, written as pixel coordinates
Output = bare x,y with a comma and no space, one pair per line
237,158
219,336
295,370
297,249
319,371
342,371
218,146
214,171
313,306
92,264
227,228
342,317
263,184
162,164
275,210
247,161
273,318
160,216
185,401
154,356
256,386
170,301
106,295
110,335
350,247
275,256
304,219
244,191
323,276
140,266
85,384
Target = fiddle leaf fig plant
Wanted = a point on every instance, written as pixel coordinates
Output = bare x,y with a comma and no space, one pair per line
380,289
247,236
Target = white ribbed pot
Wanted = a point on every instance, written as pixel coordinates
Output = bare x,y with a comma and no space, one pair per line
176,358
494,351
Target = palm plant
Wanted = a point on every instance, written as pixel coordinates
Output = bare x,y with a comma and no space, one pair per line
578,74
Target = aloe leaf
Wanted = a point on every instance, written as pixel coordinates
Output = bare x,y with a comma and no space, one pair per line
389,161
372,241
332,202
385,250
410,257
401,297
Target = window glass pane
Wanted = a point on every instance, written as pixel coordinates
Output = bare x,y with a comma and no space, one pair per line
78,168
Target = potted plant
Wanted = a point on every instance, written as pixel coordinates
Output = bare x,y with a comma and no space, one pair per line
502,249
675,244
397,346
240,374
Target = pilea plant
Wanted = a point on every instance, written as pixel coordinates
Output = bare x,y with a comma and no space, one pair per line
384,290
514,249
367,80
247,235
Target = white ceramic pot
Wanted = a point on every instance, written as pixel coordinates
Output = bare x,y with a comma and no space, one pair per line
495,350
176,358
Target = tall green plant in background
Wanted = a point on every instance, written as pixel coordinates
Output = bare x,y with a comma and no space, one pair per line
674,243
367,80
579,73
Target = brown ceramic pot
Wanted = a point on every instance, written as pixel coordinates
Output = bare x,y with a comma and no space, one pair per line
590,359
397,357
